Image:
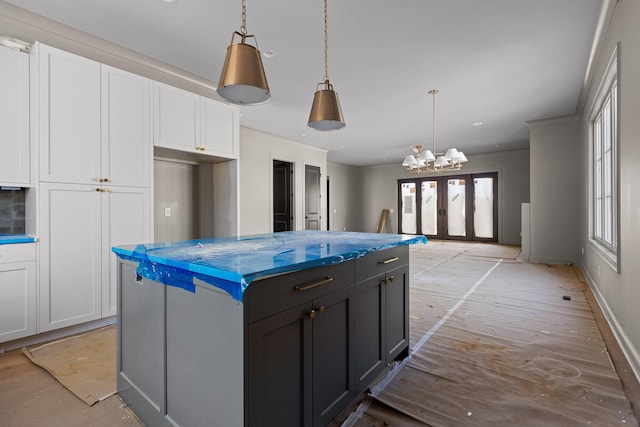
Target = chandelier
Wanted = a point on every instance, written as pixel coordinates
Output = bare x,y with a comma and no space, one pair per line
423,161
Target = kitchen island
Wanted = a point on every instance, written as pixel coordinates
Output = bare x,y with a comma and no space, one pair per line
280,329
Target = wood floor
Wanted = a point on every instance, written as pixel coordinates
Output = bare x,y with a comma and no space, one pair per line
443,273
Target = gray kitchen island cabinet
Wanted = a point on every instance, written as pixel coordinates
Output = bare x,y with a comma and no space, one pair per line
314,318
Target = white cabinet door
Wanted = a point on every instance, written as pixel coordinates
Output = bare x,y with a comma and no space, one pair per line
69,117
14,116
17,291
175,118
219,128
70,255
125,221
126,133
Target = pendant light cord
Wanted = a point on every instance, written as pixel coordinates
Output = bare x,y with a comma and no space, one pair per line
433,92
326,45
243,28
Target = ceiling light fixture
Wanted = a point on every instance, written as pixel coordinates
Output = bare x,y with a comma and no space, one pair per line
325,110
243,80
423,161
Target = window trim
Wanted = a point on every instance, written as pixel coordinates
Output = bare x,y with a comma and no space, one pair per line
609,89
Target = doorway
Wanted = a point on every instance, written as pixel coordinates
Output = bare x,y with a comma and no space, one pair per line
312,200
282,196
461,207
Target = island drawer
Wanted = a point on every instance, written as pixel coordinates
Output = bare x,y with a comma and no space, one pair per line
275,294
381,262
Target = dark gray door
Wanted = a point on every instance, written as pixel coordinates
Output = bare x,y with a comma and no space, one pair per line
312,203
282,195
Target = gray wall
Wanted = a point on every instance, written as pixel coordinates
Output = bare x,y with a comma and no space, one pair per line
258,150
380,189
345,197
618,292
555,191
174,189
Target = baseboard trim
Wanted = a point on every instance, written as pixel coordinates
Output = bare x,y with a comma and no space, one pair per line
628,349
56,334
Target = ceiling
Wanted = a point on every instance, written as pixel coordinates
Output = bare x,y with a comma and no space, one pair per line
499,62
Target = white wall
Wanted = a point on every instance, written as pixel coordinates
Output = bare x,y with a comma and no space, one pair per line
345,197
258,150
555,191
380,190
618,292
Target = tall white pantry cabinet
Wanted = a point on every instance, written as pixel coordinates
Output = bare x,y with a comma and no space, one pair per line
95,152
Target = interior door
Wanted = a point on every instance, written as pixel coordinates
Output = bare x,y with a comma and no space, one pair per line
282,195
312,197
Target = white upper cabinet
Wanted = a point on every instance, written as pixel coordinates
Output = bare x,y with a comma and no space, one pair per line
175,118
94,122
69,116
188,122
219,128
14,117
126,128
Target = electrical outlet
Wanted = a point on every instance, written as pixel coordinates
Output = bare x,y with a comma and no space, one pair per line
167,211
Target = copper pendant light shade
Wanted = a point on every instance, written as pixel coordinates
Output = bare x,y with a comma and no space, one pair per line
243,80
326,113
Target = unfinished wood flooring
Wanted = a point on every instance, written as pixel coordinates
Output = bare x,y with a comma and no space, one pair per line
494,343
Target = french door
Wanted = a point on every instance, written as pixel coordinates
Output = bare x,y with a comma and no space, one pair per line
461,207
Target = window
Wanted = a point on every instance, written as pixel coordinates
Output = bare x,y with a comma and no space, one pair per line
604,128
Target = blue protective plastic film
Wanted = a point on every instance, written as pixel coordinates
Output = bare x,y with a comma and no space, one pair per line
232,263
15,238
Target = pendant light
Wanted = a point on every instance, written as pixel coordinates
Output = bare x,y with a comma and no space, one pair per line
325,110
423,161
243,80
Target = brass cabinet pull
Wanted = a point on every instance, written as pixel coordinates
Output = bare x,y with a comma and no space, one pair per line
98,189
313,313
105,179
98,179
389,261
387,280
313,285
105,190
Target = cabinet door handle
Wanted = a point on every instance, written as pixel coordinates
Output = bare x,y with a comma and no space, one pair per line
314,284
105,190
98,179
322,309
312,313
389,261
105,179
390,279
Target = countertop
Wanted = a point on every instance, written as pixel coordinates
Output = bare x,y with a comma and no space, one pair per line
6,239
233,263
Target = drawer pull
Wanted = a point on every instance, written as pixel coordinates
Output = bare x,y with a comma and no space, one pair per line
389,261
313,285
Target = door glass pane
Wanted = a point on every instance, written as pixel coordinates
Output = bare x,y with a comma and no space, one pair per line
429,212
455,212
483,207
408,200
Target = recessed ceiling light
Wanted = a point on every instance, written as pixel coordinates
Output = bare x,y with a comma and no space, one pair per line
304,134
478,124
269,53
